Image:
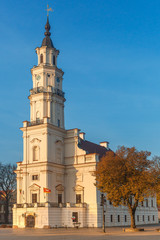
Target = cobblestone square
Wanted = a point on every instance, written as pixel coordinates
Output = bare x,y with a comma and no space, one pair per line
77,234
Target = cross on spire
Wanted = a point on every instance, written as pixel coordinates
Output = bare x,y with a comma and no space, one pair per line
48,10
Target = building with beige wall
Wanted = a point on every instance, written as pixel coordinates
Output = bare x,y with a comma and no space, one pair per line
55,181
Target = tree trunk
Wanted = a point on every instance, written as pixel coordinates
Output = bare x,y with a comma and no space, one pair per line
6,211
132,215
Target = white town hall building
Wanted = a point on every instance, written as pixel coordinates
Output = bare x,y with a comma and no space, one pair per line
55,181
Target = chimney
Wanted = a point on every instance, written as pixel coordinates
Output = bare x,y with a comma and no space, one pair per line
104,144
82,135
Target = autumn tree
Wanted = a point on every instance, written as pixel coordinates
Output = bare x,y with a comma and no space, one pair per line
7,185
127,177
157,163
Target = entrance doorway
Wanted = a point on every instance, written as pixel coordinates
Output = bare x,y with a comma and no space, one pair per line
30,221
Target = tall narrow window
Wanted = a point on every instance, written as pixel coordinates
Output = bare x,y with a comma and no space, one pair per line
59,198
111,218
35,153
125,218
78,198
151,203
118,218
148,218
37,116
54,60
34,198
58,123
143,218
41,58
146,202
153,218
137,218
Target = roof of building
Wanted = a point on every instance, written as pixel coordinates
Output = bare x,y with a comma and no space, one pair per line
47,41
90,147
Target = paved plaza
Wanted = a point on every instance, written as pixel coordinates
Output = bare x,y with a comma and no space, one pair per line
77,234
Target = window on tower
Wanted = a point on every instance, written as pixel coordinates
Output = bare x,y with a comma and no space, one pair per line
58,123
35,153
41,58
78,198
54,60
34,177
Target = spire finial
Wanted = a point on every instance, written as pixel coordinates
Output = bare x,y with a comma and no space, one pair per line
47,40
47,27
48,10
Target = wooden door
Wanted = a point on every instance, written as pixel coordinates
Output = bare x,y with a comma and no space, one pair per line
30,221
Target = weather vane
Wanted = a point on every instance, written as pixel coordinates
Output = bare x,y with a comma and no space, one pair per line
48,10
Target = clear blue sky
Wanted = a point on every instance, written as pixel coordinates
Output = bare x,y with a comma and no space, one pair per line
110,53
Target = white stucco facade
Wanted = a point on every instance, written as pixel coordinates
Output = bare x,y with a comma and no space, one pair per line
61,161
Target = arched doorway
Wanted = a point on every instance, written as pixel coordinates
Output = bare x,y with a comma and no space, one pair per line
30,221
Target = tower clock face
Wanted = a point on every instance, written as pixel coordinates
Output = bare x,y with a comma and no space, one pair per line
38,77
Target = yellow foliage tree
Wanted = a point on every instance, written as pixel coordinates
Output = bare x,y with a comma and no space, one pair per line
127,177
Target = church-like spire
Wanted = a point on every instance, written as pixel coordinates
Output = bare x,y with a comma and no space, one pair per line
47,40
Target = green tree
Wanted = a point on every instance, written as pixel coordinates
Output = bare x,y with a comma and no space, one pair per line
7,185
127,177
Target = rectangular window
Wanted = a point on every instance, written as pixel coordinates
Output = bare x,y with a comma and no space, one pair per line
137,218
148,218
34,177
143,218
110,203
75,216
41,58
78,198
118,218
153,218
59,198
151,203
54,60
142,204
146,202
111,218
58,123
34,198
0,207
125,218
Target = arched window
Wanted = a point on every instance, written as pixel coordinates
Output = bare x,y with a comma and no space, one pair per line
35,153
37,116
41,58
54,60
58,155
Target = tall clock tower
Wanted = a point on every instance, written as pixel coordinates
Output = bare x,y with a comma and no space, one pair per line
43,135
46,97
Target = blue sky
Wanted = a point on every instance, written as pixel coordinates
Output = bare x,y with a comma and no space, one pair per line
110,53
